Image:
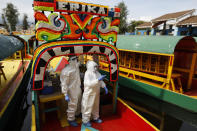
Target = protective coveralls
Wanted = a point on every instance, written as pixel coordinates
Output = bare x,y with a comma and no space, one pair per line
91,94
71,87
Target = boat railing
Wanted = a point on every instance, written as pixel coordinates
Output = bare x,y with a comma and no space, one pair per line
158,79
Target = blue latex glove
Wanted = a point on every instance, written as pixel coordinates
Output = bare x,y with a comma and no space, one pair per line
101,78
106,90
67,98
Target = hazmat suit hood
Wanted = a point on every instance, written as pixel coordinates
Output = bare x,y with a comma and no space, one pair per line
92,66
73,62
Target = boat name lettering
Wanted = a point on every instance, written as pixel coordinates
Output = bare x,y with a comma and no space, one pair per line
82,8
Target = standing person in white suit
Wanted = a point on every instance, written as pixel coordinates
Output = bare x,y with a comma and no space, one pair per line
71,88
91,95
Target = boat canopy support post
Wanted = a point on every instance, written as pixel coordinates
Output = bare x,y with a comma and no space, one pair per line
35,102
170,66
191,72
115,95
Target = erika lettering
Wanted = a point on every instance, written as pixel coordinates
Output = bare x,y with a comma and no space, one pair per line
83,8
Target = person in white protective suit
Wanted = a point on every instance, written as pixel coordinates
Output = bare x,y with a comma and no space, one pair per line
91,95
71,88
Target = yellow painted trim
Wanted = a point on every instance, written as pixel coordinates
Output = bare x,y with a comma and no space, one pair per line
169,75
153,77
138,114
153,84
104,64
134,106
146,52
7,103
33,120
173,86
146,82
192,70
193,97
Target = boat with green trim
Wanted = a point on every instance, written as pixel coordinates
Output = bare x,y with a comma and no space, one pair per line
160,66
72,32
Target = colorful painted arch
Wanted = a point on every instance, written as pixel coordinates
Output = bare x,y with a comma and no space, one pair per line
48,51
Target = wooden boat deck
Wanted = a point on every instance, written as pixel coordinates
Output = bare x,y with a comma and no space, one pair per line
14,71
114,123
125,119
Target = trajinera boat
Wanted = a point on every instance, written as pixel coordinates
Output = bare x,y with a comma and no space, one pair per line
14,73
71,28
163,67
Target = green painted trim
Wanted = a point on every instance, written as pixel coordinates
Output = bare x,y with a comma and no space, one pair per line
43,8
154,44
36,109
33,96
51,109
181,100
116,96
178,99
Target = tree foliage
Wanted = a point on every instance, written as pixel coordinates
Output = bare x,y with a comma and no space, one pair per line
25,23
11,15
123,26
134,24
4,22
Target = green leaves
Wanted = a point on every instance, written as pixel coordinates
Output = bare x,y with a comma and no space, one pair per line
25,23
11,16
123,18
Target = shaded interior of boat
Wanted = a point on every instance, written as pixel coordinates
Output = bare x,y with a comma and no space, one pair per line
173,68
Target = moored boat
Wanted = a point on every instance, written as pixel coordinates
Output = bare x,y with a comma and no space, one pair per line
15,74
160,66
77,31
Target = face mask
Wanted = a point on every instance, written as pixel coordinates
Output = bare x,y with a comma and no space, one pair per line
95,68
73,58
92,66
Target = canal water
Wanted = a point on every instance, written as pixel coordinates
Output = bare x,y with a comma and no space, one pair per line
163,115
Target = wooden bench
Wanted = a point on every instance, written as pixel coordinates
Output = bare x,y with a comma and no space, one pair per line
178,77
150,75
57,96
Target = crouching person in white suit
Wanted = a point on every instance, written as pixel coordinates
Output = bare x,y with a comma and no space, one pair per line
71,88
91,95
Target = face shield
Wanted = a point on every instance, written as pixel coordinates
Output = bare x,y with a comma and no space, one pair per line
73,61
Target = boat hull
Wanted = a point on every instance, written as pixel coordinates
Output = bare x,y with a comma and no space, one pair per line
178,99
15,108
